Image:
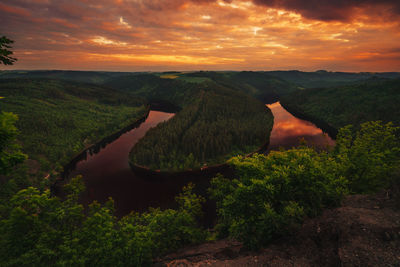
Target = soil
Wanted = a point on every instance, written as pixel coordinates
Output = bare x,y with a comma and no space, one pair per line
364,231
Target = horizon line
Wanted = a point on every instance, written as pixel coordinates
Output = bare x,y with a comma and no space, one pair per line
202,70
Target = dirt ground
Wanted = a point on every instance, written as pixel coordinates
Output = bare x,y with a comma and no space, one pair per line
364,231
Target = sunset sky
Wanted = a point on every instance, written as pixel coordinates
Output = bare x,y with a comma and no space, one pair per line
160,35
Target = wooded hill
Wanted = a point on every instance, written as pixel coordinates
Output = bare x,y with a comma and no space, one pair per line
217,124
374,99
260,85
325,79
269,198
58,118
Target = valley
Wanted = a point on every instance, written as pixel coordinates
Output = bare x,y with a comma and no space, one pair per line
125,145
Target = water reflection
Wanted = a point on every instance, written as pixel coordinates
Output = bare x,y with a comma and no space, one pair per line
289,130
107,174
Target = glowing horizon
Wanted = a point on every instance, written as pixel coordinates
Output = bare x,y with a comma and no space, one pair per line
188,35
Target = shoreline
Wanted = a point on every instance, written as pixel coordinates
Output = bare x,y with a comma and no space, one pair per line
324,126
67,168
208,170
144,171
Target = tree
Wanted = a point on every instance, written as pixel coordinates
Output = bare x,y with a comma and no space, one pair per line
10,151
5,53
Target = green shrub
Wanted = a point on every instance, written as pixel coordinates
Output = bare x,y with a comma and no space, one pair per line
369,156
41,230
273,193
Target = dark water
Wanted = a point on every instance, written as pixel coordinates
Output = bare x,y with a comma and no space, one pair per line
289,130
107,173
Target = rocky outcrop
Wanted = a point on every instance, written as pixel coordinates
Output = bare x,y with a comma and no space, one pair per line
364,231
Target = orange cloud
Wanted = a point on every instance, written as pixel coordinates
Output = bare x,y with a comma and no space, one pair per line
202,34
14,10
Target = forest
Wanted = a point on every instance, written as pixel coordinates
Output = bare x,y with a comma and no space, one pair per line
261,85
217,124
325,79
373,99
269,196
58,119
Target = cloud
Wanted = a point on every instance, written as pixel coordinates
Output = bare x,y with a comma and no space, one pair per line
208,34
329,10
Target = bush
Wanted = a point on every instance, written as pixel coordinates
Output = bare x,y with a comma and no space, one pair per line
41,230
273,193
369,156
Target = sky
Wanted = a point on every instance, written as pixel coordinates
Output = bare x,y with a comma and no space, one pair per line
185,35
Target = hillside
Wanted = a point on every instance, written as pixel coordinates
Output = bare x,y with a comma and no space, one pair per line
183,92
94,77
324,79
263,201
260,85
217,124
156,89
57,119
374,99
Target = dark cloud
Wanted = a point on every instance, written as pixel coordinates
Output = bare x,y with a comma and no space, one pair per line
331,10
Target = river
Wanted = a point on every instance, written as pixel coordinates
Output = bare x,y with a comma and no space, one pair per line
107,173
288,131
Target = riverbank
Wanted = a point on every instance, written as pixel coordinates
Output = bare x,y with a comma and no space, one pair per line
286,133
204,171
327,128
95,148
216,124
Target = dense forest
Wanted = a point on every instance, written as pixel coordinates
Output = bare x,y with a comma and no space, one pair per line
269,196
58,119
325,79
374,99
171,85
93,77
51,92
156,89
260,85
216,125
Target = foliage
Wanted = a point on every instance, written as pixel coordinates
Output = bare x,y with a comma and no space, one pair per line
274,192
217,124
375,99
269,198
5,52
58,119
10,151
324,79
92,77
10,159
156,89
260,85
41,230
368,157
